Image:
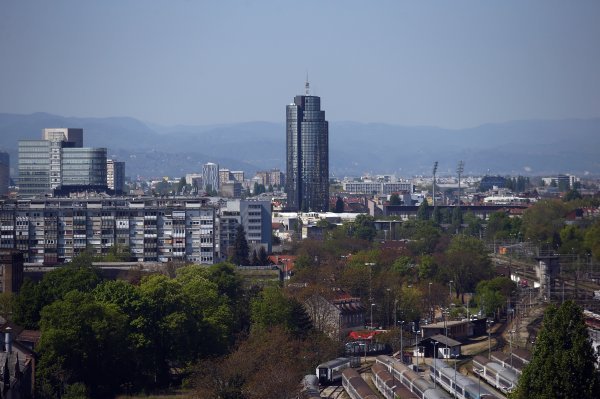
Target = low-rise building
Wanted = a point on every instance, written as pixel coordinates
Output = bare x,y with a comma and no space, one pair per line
336,316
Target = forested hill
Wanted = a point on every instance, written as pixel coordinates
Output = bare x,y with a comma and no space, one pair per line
520,147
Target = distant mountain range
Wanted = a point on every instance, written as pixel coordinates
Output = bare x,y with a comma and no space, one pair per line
530,147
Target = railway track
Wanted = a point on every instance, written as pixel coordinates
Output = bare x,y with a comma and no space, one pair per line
332,392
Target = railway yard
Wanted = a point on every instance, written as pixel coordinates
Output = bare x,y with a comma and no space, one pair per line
489,366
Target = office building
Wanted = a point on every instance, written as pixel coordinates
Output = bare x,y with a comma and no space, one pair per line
115,176
34,167
231,189
238,175
273,177
371,188
84,167
225,176
60,163
307,154
255,217
4,173
210,176
276,178
70,135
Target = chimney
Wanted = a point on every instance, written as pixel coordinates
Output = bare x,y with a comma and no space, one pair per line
8,340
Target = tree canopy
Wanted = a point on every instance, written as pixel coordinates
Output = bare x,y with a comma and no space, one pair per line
240,249
564,362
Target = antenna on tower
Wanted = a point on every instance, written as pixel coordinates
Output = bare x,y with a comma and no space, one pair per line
307,86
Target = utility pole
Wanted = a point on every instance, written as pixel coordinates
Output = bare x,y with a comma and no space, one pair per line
435,166
459,170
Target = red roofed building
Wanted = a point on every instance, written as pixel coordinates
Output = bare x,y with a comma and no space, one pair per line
286,262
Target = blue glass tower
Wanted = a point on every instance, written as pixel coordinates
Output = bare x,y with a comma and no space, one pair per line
307,150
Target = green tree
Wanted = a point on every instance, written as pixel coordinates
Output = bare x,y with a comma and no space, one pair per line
240,247
263,258
426,237
592,240
498,226
7,301
181,185
467,263
572,195
78,275
254,260
364,227
457,218
543,221
339,205
272,308
395,199
83,341
563,363
423,211
258,189
437,215
492,294
474,224
410,303
572,240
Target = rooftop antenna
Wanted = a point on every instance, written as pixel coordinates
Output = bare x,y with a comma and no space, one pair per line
435,165
307,86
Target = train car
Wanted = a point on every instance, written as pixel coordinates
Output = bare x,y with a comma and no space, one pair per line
355,386
516,364
495,374
389,387
310,387
418,385
457,384
331,371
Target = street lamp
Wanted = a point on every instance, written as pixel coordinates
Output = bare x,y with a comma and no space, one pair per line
372,316
417,345
387,307
455,357
489,326
450,285
401,341
479,371
430,307
434,364
511,353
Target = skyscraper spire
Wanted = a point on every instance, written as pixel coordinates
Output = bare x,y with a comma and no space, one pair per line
307,86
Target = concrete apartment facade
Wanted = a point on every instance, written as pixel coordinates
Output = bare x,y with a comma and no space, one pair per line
54,230
115,176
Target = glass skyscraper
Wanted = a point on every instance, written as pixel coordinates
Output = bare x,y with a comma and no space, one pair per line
307,150
59,162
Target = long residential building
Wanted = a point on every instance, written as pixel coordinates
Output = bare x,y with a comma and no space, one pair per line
377,187
54,230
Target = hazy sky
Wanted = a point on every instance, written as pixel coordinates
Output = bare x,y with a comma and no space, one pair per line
447,63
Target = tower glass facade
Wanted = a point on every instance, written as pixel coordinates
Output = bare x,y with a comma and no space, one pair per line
210,176
4,172
34,167
59,161
307,150
84,167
